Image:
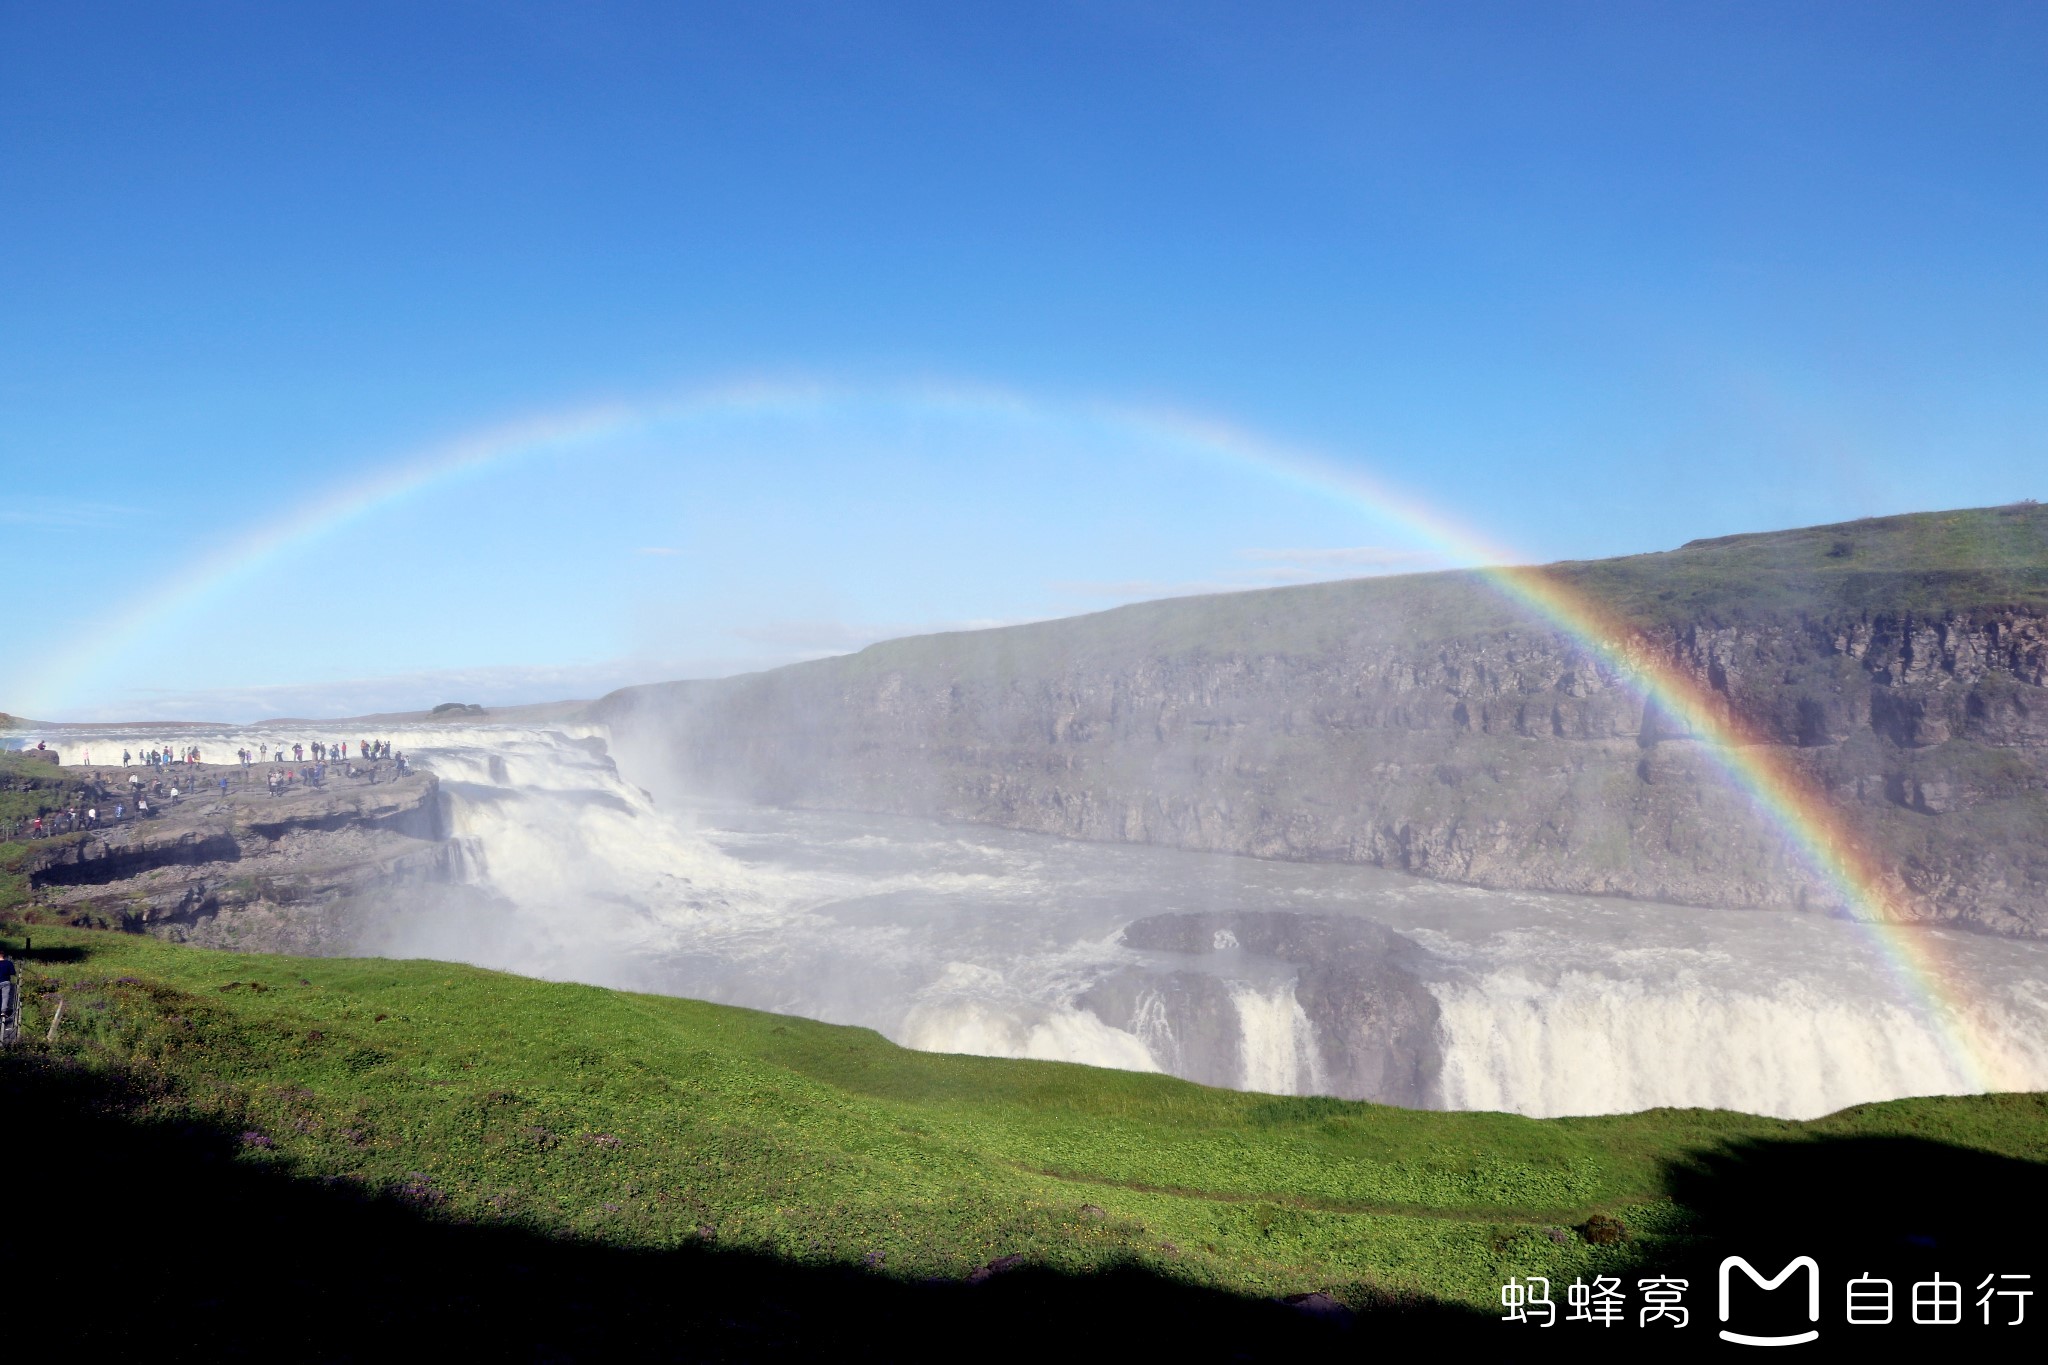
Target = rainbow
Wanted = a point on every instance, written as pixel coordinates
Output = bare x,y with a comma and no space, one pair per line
1777,788
333,511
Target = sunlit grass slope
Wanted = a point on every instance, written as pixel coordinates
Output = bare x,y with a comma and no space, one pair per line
648,1121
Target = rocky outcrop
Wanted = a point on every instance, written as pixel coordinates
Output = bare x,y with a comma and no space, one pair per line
1358,983
295,872
1427,724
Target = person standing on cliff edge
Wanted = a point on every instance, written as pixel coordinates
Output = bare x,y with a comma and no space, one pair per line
10,1001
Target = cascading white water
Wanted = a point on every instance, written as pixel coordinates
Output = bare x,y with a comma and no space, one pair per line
1276,1042
1592,1044
1152,1026
985,940
1056,1035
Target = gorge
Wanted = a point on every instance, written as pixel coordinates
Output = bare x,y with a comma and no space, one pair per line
1483,873
1427,724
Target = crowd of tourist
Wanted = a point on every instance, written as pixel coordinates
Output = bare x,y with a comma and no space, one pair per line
157,758
106,799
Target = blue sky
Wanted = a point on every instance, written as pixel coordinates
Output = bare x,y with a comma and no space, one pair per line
1590,278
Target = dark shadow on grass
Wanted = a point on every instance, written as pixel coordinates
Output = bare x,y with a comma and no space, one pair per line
27,954
1898,1209
153,1240
1869,1196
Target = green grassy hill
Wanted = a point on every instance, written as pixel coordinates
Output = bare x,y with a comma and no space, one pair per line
649,1127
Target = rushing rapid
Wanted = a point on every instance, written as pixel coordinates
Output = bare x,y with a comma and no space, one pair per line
1284,977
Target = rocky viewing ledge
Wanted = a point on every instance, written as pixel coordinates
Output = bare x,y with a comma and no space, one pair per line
294,872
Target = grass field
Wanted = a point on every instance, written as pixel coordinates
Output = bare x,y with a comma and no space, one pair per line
648,1123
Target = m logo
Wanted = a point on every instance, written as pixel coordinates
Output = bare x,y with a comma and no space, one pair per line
1805,1263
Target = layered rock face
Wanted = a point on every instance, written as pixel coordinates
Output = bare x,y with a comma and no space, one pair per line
301,872
1428,724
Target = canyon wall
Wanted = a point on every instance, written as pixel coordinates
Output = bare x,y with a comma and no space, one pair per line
1431,725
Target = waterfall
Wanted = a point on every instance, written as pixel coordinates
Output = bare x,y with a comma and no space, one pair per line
1592,1044
967,939
1276,1043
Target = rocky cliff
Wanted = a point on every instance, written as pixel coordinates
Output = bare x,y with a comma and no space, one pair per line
1427,723
302,871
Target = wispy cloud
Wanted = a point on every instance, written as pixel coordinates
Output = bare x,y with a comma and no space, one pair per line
825,636
770,644
1346,557
511,685
1143,589
762,645
68,513
1269,569
815,638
